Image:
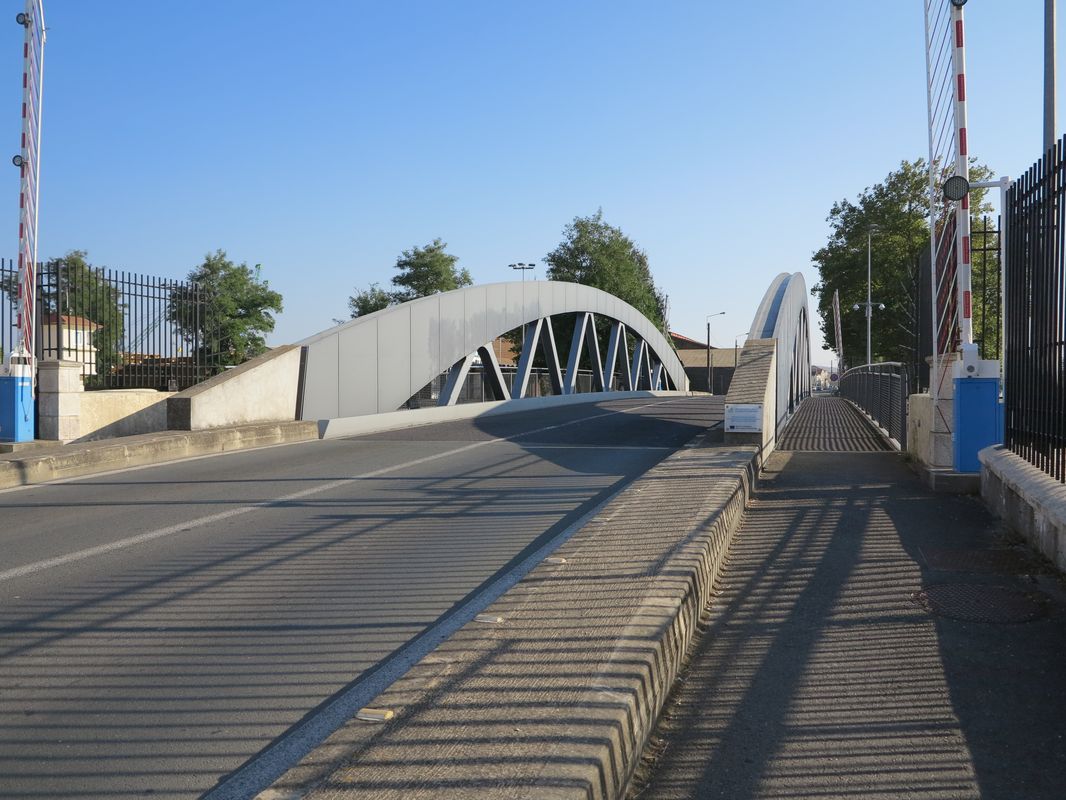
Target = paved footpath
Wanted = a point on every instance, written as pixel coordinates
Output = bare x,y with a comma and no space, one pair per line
873,640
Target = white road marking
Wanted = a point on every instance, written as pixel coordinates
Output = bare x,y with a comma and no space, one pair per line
183,527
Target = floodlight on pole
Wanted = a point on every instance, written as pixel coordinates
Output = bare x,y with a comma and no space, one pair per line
710,363
521,265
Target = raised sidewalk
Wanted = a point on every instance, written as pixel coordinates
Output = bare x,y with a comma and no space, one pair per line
873,639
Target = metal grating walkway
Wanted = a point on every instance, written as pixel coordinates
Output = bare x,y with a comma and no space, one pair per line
830,425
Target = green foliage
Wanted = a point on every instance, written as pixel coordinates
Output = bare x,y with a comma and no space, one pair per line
423,271
427,270
236,315
368,301
597,254
897,211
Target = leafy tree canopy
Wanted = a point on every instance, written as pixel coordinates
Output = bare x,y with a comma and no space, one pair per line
422,271
896,211
597,254
237,314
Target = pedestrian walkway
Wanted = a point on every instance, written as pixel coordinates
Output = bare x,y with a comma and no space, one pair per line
830,424
872,639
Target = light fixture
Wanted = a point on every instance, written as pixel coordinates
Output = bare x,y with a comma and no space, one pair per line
956,187
18,161
23,19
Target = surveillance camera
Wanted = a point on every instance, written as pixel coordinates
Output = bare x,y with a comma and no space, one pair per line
18,161
22,19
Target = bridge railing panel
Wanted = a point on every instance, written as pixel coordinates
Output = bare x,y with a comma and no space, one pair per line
881,390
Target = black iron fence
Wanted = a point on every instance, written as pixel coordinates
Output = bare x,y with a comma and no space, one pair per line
881,390
126,330
1035,342
985,284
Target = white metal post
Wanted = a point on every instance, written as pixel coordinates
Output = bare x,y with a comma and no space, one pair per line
869,301
1050,121
962,168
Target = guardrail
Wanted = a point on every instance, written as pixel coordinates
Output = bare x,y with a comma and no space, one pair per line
881,390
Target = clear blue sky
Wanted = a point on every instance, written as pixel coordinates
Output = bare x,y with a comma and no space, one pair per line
321,139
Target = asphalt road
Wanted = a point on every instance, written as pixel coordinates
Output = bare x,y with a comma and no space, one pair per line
161,627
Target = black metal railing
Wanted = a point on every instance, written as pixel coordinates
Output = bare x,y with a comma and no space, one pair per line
881,390
126,330
1035,342
985,283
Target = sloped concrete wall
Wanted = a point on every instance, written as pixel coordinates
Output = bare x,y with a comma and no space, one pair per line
264,389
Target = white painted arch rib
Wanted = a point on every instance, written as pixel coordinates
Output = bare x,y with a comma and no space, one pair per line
375,363
783,315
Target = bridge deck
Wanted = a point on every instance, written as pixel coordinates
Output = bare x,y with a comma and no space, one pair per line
830,424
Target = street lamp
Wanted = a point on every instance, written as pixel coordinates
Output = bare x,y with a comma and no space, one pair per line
710,365
736,340
869,303
524,267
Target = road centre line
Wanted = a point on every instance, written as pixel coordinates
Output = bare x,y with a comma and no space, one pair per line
184,527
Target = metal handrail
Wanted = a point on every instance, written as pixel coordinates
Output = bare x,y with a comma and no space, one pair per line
881,390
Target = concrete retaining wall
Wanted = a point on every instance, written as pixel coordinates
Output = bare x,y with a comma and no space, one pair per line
121,412
1029,500
264,389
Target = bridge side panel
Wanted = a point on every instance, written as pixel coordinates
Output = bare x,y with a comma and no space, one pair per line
357,384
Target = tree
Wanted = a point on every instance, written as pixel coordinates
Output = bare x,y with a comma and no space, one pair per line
423,271
234,314
368,301
597,254
896,210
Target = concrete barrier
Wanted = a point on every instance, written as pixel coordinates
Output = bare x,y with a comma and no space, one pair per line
264,389
554,690
754,384
72,461
413,418
1030,501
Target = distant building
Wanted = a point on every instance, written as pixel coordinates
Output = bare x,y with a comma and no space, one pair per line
68,337
693,355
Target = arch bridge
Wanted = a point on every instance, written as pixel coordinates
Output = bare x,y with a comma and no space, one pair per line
377,362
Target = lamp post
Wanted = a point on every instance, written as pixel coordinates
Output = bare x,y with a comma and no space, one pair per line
524,267
869,303
736,340
710,365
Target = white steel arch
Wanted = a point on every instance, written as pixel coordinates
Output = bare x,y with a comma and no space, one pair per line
377,362
783,315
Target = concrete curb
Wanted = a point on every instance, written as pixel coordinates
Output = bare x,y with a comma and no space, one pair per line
416,417
553,691
73,461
